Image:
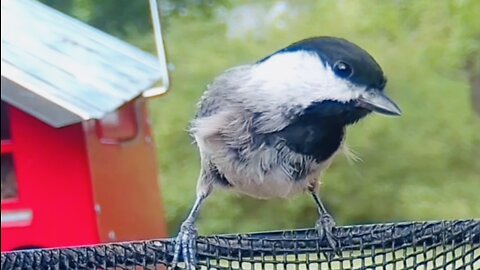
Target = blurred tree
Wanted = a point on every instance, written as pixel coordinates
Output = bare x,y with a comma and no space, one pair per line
120,17
62,5
473,71
126,17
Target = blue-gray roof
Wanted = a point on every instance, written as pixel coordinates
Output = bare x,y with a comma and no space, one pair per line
63,71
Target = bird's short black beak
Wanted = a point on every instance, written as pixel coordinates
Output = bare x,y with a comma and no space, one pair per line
376,101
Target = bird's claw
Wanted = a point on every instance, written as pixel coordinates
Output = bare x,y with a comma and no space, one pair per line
324,226
185,243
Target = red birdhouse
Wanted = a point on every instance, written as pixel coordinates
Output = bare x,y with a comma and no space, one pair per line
78,157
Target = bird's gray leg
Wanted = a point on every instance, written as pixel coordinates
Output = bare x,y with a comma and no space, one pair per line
325,222
187,237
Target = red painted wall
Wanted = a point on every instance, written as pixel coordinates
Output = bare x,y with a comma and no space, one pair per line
53,182
87,183
125,176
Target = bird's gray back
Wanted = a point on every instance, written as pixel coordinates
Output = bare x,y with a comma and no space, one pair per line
219,95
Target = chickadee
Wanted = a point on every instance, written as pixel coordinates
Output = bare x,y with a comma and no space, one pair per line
269,129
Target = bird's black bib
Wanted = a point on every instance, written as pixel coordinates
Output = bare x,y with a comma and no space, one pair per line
319,131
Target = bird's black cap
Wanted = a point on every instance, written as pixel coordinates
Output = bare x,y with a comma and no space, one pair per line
351,61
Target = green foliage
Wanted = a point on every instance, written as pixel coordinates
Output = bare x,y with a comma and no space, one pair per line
119,17
127,18
424,165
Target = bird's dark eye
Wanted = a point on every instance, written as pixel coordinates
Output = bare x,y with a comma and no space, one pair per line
342,69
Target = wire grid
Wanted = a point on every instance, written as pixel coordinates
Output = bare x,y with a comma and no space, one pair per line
412,245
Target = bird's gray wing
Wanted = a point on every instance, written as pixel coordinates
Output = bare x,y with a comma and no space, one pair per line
222,93
226,98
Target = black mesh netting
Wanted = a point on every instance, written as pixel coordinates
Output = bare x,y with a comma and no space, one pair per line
416,245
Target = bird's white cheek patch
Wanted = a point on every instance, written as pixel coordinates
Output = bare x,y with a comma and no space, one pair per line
298,78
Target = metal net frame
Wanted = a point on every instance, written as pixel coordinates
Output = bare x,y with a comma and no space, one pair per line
409,245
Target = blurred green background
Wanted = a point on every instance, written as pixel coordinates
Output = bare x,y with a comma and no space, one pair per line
422,166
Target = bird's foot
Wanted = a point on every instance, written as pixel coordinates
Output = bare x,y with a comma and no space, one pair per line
185,243
324,226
